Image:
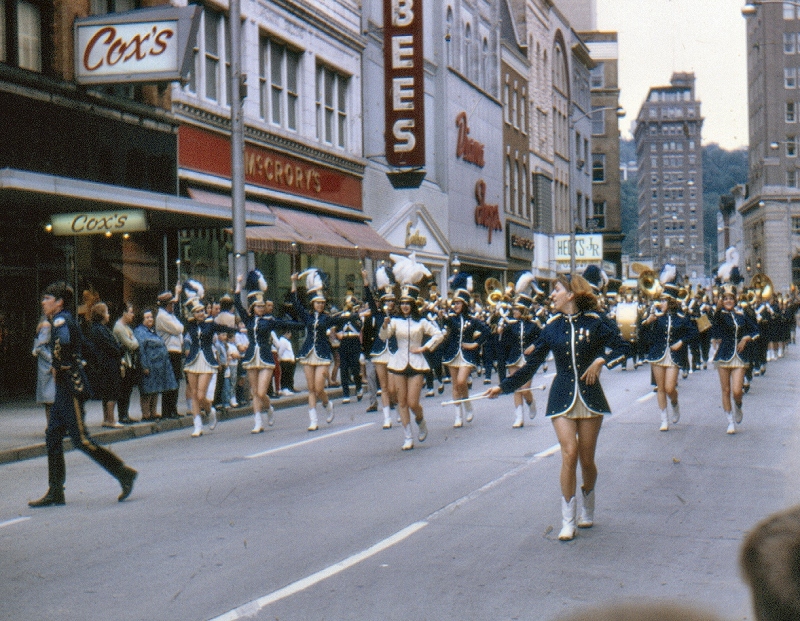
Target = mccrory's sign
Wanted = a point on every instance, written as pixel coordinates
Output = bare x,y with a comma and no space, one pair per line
145,45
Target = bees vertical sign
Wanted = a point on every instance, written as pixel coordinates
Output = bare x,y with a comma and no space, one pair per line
403,81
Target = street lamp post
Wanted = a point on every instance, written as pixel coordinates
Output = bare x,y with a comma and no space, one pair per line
573,213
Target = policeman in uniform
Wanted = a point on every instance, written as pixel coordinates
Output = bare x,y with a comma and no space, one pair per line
72,390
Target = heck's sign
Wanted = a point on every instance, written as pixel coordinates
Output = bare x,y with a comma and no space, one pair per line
146,45
403,79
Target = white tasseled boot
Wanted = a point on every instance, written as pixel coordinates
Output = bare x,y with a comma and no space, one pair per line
270,415
458,422
258,427
198,426
329,407
531,408
519,417
313,422
409,441
423,430
212,418
586,518
469,411
664,421
567,519
731,424
387,417
737,413
676,412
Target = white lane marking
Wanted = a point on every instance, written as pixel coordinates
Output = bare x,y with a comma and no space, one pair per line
309,441
255,606
646,397
14,521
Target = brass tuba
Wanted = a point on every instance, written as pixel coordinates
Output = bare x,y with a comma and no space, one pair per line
761,283
649,284
494,291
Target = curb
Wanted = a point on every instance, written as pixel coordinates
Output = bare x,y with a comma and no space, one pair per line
140,430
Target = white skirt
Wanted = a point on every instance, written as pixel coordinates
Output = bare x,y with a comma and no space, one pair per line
459,361
200,365
312,359
257,362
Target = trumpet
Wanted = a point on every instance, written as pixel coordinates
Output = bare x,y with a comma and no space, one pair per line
762,284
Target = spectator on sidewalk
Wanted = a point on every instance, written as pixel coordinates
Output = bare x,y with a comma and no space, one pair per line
769,560
45,382
170,330
156,375
288,363
129,367
106,360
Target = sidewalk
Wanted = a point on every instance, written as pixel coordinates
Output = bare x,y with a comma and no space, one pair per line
23,423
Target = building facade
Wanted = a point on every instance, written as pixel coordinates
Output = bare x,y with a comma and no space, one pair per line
670,182
771,208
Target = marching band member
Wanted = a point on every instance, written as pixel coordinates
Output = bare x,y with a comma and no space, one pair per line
464,335
258,360
200,364
349,337
731,330
578,338
407,364
670,334
516,342
382,349
316,354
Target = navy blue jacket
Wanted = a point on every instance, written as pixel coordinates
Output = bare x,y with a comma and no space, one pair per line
667,330
200,337
317,326
518,335
259,332
729,327
462,329
576,342
378,345
65,343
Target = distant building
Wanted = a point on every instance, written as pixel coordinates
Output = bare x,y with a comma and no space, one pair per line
606,213
670,182
771,208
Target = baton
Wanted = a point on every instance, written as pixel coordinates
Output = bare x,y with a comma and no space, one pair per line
483,396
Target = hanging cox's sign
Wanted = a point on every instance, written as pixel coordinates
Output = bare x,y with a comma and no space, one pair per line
99,222
404,83
145,45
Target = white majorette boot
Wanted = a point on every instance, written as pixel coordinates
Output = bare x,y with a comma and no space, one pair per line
258,427
313,422
737,413
519,418
469,411
531,407
586,518
198,426
212,418
567,519
676,412
270,415
459,421
731,424
423,430
664,421
329,407
387,417
409,441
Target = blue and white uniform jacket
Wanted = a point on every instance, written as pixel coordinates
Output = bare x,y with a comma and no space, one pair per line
730,327
259,332
317,326
576,342
379,346
665,331
460,330
65,343
517,336
199,337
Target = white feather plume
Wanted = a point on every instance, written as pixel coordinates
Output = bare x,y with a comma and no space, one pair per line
313,279
668,273
382,279
731,261
524,281
406,269
470,283
194,289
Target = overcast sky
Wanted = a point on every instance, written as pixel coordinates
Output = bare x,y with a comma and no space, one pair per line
659,37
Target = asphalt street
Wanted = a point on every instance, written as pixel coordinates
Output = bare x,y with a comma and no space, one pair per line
342,524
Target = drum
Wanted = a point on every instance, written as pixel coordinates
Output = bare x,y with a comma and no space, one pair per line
703,323
627,316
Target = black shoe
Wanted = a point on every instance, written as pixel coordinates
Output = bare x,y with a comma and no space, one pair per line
372,408
127,421
126,480
50,499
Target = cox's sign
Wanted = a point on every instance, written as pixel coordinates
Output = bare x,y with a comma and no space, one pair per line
97,222
146,45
